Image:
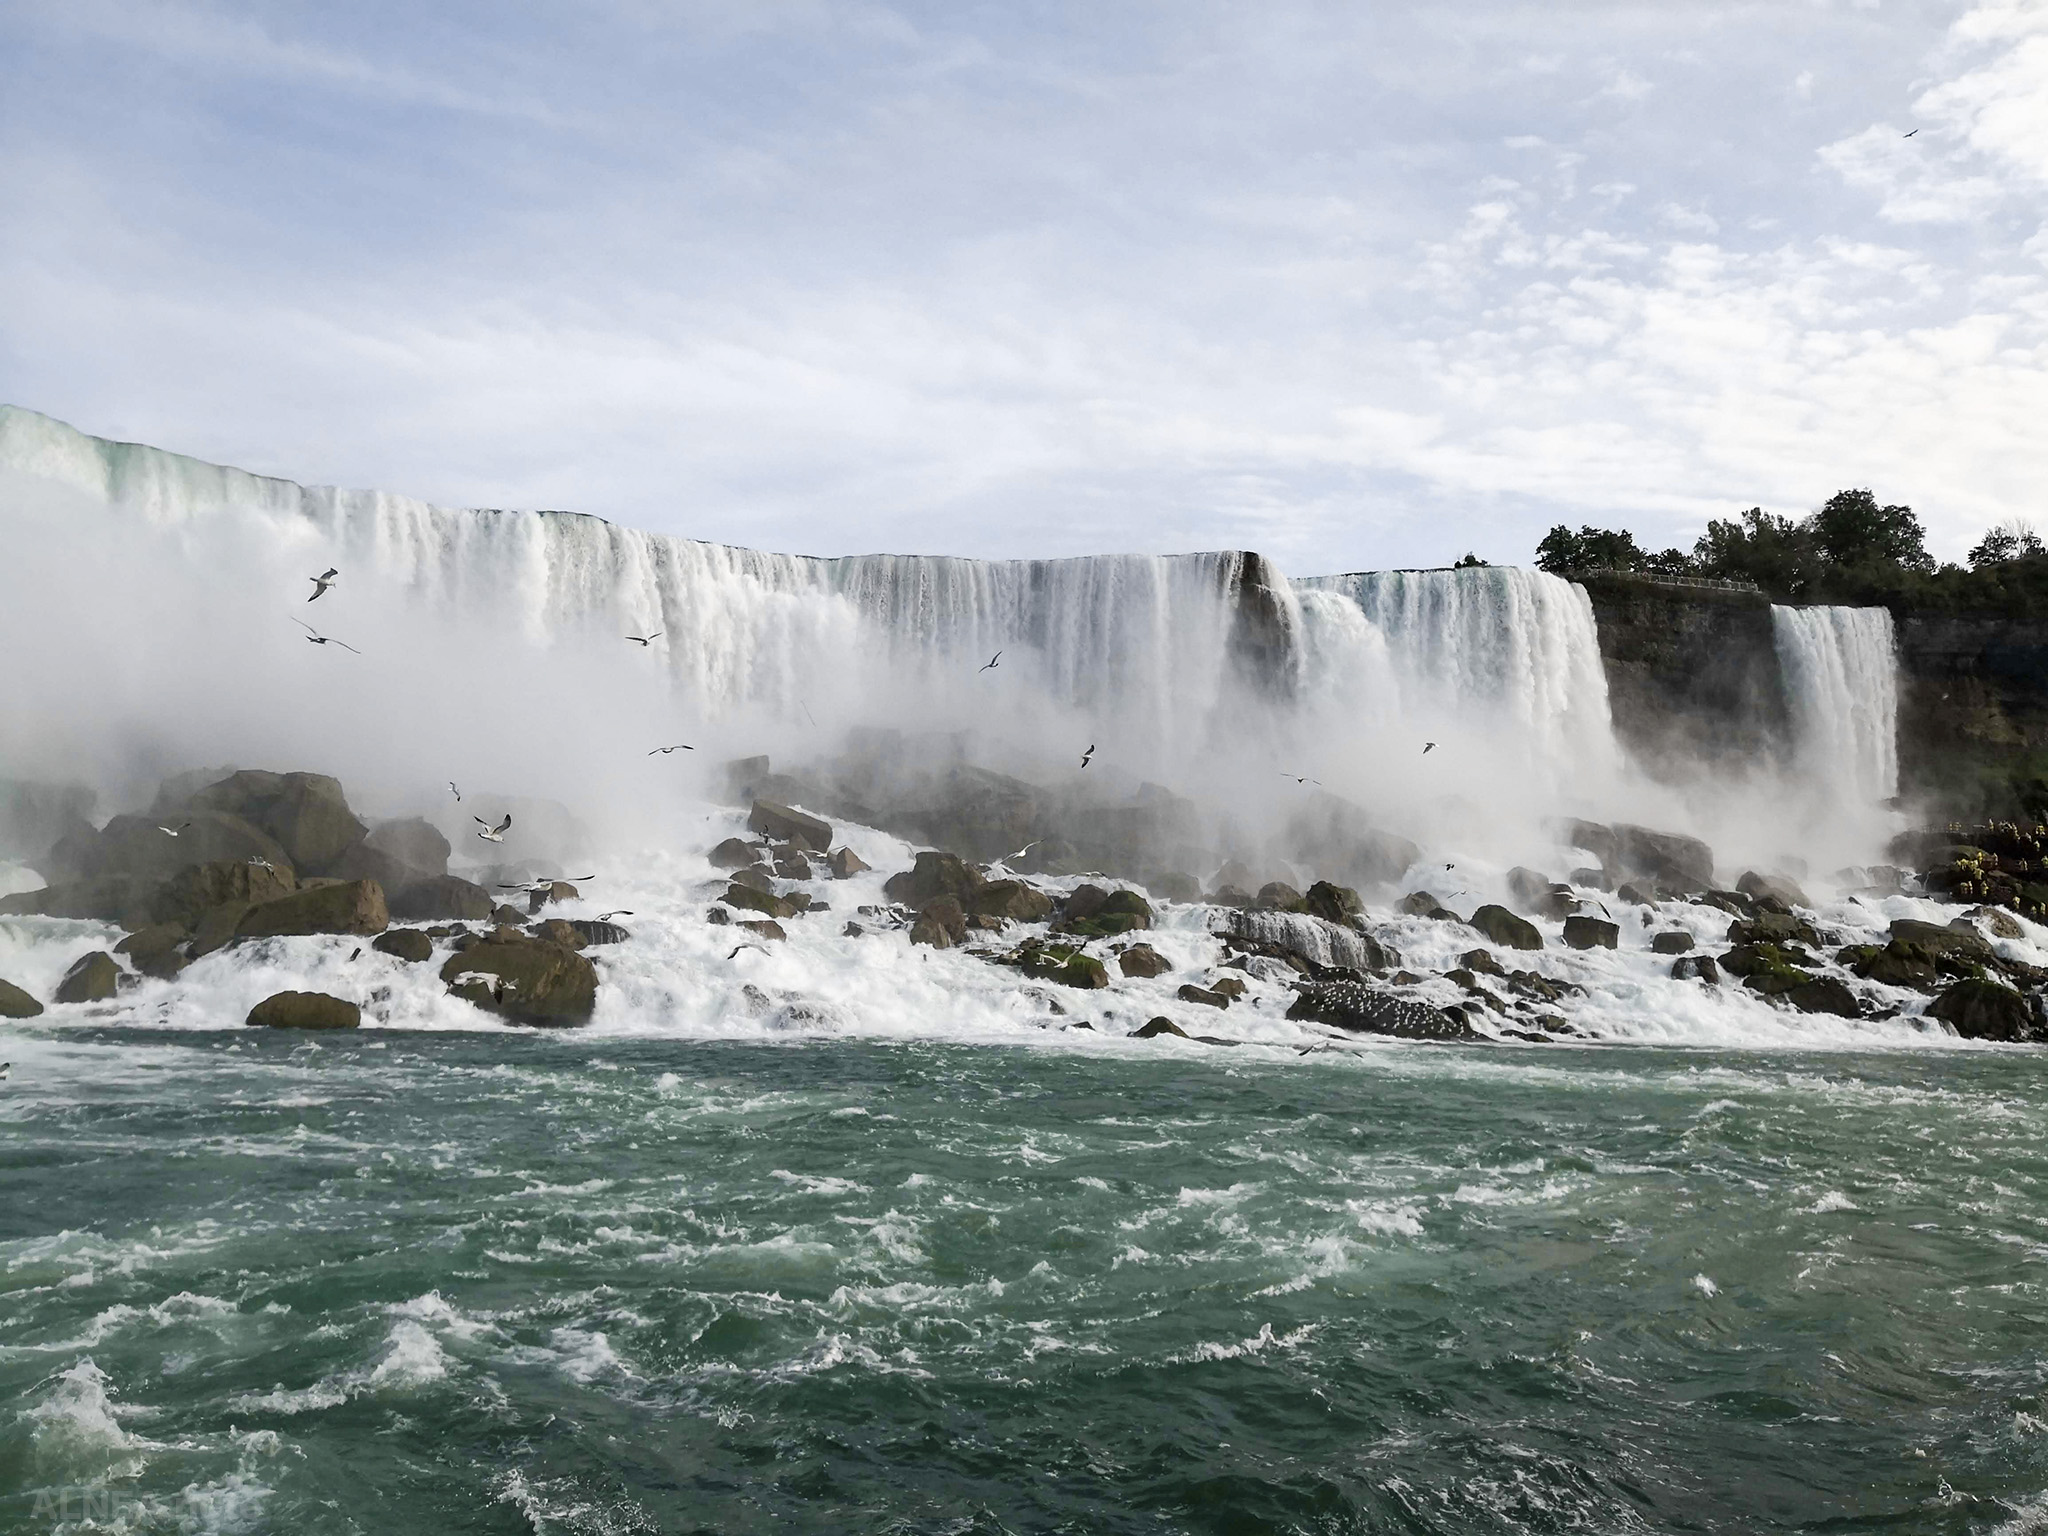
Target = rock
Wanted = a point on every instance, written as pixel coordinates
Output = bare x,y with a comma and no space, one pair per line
197,889
1059,963
1481,960
1152,1029
756,877
1420,904
1142,960
1679,862
215,929
404,944
306,812
414,842
355,906
1332,903
733,853
123,899
1999,924
17,1004
1505,929
441,898
1595,838
1825,994
1175,887
596,931
1635,895
1527,887
1012,899
1230,986
1772,928
1083,902
1190,993
718,917
1590,933
793,866
1984,1010
940,923
1964,941
780,821
1673,941
1777,887
1897,964
1120,905
1696,968
934,874
554,890
742,774
1230,896
555,931
524,979
747,899
156,950
767,928
91,979
138,845
1596,878
1278,895
1353,1006
305,1010
845,864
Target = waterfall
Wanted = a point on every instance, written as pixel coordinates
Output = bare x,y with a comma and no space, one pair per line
1841,681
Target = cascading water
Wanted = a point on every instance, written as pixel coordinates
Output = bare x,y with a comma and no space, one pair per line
1841,681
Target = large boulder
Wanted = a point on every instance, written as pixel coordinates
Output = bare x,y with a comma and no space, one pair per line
1961,939
441,898
307,813
17,1004
766,903
414,842
1352,1005
1012,899
91,979
1143,961
783,823
1278,896
934,874
1505,929
1208,998
140,845
355,906
734,853
157,950
363,862
1152,1029
123,899
305,1010
1672,941
1983,1010
1782,888
1528,887
941,923
845,864
1172,886
1117,912
1897,964
1064,966
1825,994
524,979
409,944
1772,928
197,889
1333,903
1674,861
1590,933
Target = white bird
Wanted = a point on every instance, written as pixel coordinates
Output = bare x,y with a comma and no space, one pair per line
678,747
1088,754
262,863
1299,778
993,660
322,582
643,639
317,638
1024,850
455,792
491,834
174,831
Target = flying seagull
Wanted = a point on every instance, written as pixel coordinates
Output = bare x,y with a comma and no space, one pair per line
5,1068
455,792
1088,754
1916,130
322,582
1428,747
643,639
491,834
1298,777
174,831
678,747
542,885
738,947
993,660
605,917
263,863
1024,850
317,638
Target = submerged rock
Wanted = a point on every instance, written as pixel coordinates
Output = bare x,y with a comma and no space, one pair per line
1208,998
92,978
524,979
595,931
1060,963
1361,1009
305,1010
733,853
1152,1029
16,1003
156,950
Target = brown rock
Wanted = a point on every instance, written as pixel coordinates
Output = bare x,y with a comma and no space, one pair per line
934,874
781,821
845,864
1591,933
1012,899
1229,986
156,950
768,928
305,1010
555,931
733,853
439,898
17,1004
306,812
1144,961
940,923
747,899
91,979
1154,1028
356,906
524,979
404,944
1190,993
199,888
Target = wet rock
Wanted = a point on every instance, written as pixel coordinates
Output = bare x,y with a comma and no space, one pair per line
1591,933
1482,961
505,915
355,906
1083,902
767,928
1190,993
782,822
1278,895
718,917
1122,911
138,845
1696,968
1505,929
747,899
404,944
596,931
555,931
1964,941
1012,899
305,1010
940,923
197,889
755,877
1420,904
1825,994
307,813
793,866
853,930
1596,878
441,898
1060,963
1997,923
845,864
1527,886
123,899
414,842
1143,961
157,950
1984,1010
1229,986
1230,896
1333,903
733,853
1779,888
1772,928
92,978
1669,858
524,979
1353,1006
1175,887
1152,1029
17,1004
1673,941
934,874
1635,895
1897,964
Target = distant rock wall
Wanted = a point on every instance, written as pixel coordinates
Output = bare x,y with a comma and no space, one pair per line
1973,715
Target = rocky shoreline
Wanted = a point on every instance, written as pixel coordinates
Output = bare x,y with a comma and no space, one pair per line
249,857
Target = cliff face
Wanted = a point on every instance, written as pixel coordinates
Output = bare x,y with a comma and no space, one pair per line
1692,672
1973,715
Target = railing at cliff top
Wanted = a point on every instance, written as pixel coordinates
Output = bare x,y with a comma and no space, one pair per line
1659,578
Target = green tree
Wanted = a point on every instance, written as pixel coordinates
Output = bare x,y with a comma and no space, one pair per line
1772,551
2009,541
1564,553
1851,530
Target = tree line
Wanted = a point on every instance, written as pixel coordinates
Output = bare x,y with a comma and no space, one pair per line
1852,550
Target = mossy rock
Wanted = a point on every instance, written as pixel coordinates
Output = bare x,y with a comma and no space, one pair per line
1067,967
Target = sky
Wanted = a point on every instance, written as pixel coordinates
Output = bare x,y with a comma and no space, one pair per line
1357,286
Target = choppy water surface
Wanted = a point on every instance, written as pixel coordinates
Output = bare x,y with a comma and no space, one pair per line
505,1282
